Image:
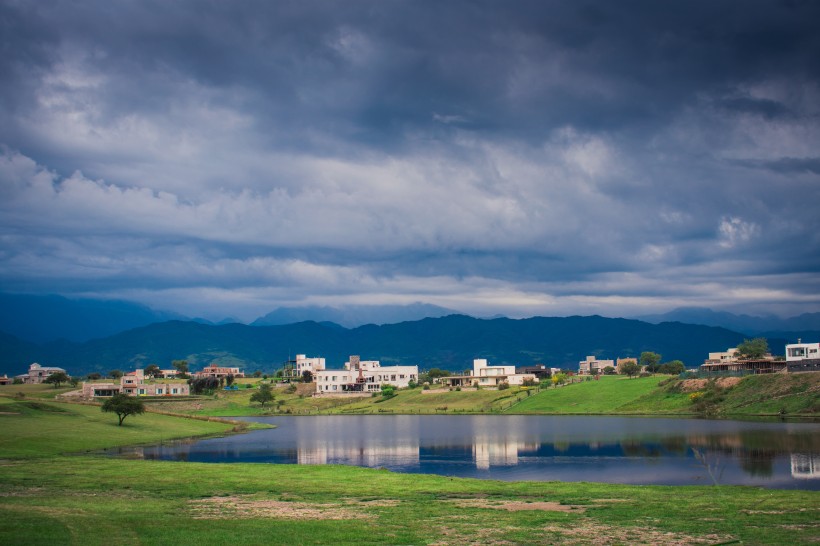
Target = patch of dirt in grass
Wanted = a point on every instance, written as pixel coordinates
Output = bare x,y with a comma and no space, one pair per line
380,503
517,506
728,382
692,385
235,507
594,533
471,534
22,492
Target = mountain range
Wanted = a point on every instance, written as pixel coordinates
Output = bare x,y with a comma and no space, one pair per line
746,324
42,319
450,342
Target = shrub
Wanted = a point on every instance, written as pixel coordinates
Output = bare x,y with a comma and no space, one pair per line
426,387
503,386
458,389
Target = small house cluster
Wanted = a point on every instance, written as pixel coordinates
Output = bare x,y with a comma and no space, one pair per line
799,357
134,384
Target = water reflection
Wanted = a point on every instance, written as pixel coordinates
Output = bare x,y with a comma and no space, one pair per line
614,450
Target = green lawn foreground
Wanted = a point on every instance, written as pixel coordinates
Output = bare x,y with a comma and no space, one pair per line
54,499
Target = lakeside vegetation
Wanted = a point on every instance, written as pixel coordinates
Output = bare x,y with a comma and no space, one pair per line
47,497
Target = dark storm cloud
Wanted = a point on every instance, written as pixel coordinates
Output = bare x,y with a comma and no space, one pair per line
520,157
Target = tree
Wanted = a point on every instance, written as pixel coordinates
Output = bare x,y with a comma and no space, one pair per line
229,379
57,378
631,368
152,370
263,395
674,367
203,384
257,373
609,370
123,405
93,376
307,376
181,367
753,348
115,374
650,361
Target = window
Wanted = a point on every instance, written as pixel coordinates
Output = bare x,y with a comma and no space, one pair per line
174,391
393,377
159,391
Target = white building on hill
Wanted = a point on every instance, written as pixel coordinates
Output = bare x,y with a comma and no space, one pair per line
360,376
593,366
305,364
485,375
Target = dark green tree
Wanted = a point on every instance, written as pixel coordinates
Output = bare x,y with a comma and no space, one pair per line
115,374
123,405
674,367
307,376
181,366
650,361
263,395
152,370
631,368
57,378
93,376
753,348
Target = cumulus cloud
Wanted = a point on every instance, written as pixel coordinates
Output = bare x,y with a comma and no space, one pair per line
543,158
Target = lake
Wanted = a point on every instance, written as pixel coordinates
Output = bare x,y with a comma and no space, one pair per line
628,450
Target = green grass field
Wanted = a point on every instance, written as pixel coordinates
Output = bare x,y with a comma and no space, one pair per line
50,498
604,396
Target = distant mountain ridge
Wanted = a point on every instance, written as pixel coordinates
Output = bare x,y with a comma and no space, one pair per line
450,342
48,318
352,316
746,324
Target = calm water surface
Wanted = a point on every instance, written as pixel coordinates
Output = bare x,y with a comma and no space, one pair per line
627,450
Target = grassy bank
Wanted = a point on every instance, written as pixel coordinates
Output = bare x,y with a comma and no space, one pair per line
49,498
772,394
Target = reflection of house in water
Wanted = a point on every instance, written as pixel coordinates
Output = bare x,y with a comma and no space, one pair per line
489,453
805,465
367,455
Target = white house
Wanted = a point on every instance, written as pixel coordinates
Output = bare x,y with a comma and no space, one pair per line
360,376
305,364
796,352
593,366
485,375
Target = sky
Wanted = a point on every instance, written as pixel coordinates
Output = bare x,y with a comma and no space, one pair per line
518,158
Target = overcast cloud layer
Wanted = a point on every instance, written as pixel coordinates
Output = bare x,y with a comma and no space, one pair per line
552,158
